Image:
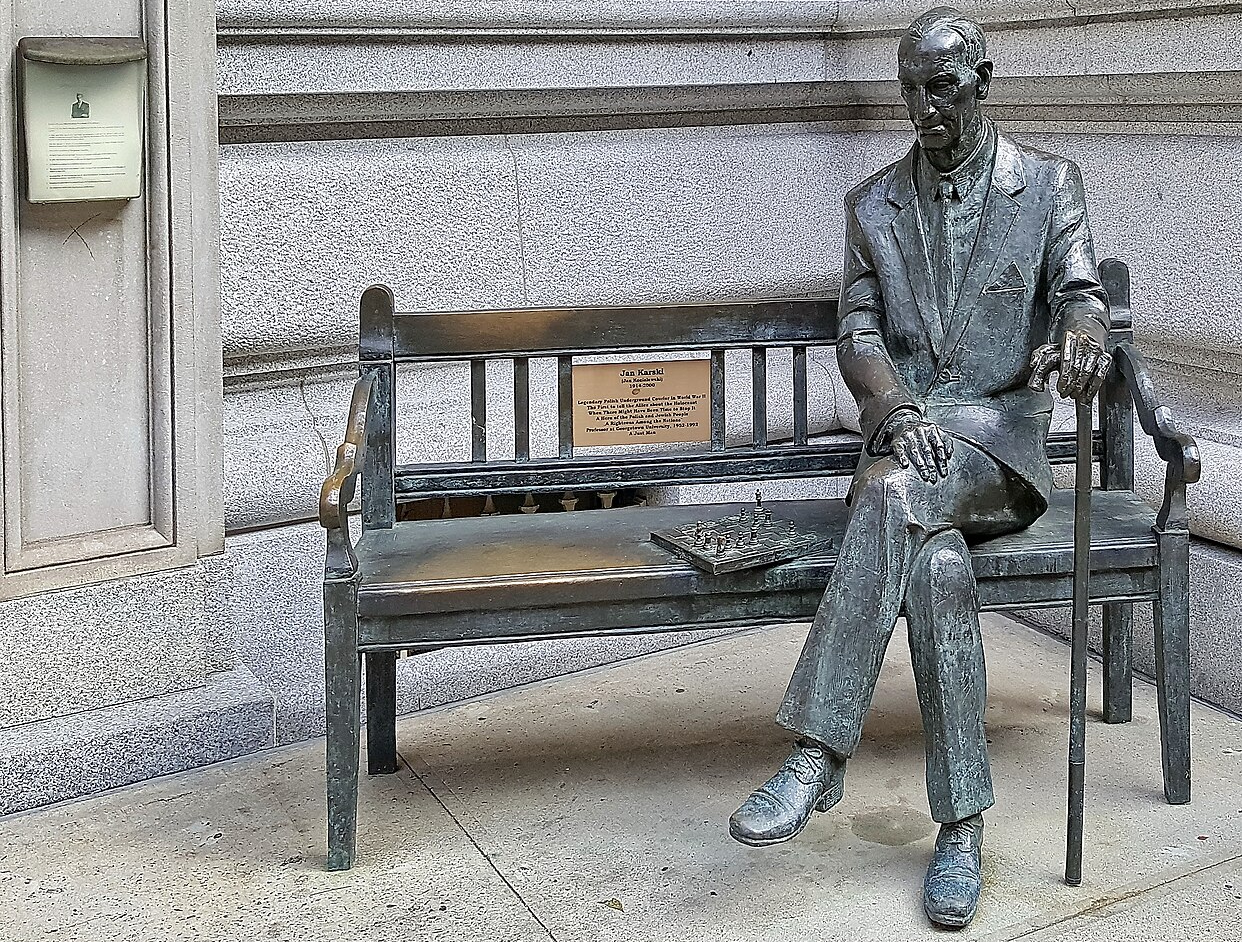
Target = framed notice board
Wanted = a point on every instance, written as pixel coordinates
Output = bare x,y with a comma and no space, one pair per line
82,116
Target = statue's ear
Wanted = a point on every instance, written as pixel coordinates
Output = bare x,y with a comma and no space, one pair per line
984,82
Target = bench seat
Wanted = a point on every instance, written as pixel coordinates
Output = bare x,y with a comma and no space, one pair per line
594,570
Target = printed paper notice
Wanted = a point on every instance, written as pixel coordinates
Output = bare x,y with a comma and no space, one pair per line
640,403
83,127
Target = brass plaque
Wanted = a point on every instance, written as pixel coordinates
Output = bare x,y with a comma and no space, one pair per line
640,403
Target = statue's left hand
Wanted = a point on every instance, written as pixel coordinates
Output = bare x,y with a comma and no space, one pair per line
923,445
1084,366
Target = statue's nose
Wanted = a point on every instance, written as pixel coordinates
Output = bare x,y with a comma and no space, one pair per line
924,107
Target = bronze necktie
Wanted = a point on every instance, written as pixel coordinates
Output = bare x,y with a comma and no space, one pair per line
946,271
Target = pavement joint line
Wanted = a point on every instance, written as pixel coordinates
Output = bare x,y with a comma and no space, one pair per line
1036,928
409,766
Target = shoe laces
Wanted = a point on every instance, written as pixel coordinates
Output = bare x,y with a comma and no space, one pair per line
960,835
807,764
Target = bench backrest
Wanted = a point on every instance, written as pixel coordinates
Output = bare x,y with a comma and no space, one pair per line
388,338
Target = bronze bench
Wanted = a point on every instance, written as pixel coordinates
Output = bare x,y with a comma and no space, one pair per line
426,584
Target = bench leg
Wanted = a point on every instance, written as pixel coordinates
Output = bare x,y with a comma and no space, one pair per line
343,683
381,712
1172,624
1118,662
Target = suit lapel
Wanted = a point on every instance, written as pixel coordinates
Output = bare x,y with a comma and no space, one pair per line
1000,209
907,226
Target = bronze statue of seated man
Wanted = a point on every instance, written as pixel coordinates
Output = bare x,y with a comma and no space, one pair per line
961,259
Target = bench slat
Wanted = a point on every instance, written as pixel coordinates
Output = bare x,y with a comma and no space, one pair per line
478,410
718,400
557,331
565,405
833,455
619,618
521,408
431,567
759,397
799,395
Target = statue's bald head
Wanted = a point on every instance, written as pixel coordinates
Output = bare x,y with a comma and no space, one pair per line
974,46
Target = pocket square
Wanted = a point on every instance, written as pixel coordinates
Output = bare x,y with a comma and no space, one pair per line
1010,280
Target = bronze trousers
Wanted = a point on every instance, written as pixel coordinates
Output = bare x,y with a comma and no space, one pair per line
906,544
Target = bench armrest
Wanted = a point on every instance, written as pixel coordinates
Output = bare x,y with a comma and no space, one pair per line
338,489
1177,449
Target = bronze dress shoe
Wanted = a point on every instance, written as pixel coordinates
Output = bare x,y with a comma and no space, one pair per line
811,779
951,889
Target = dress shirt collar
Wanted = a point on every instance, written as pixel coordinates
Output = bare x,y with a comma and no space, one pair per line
962,180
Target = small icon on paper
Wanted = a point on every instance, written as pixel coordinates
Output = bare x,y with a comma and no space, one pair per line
81,108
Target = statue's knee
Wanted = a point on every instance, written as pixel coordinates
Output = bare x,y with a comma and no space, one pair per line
949,572
948,561
884,481
942,567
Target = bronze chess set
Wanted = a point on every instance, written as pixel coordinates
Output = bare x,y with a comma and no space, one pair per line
744,540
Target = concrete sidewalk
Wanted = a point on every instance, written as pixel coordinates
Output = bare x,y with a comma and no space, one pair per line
594,808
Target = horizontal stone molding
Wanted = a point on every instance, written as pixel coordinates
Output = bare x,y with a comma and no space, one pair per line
287,367
247,20
1185,103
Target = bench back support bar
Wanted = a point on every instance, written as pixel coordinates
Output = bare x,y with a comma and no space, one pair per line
388,338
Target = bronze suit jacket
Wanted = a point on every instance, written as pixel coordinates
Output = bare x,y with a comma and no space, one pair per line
1032,275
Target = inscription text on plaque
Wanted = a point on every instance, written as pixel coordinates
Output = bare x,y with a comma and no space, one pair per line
640,403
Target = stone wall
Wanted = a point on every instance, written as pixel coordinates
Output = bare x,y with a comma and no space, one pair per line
528,153
117,664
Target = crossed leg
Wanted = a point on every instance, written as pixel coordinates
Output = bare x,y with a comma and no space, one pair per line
905,546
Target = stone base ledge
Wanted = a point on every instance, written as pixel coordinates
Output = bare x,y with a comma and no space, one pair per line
73,756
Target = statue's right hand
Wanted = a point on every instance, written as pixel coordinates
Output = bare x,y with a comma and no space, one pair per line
925,446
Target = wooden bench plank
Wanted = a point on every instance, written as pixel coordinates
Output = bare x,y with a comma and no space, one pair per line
834,453
434,568
461,335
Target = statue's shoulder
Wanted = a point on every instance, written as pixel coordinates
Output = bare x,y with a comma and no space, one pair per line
1041,165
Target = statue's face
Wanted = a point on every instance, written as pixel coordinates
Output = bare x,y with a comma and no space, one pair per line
941,90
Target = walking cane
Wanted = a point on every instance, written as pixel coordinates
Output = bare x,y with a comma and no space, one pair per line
1046,359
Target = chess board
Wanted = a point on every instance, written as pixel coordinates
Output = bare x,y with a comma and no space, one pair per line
744,540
